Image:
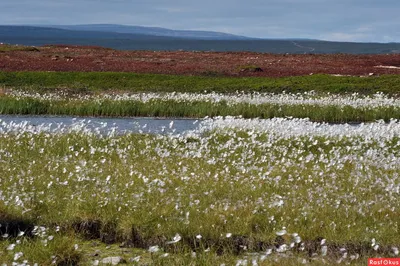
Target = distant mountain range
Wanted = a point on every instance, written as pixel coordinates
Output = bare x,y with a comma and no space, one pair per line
150,38
152,31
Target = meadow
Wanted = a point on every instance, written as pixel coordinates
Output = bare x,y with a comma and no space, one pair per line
331,108
235,192
87,82
270,177
322,98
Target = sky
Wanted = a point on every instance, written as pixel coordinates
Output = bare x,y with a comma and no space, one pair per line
334,20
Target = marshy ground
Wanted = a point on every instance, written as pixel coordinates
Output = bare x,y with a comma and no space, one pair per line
263,185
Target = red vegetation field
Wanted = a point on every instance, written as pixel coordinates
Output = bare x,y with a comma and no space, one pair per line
75,58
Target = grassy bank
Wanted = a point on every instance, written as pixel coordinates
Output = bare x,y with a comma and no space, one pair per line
10,47
81,94
229,191
196,109
105,81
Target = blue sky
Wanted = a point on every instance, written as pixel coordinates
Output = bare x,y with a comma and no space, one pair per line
337,20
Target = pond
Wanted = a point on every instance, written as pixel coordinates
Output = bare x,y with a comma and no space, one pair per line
121,125
151,125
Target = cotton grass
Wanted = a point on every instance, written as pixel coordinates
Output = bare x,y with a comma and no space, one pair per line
257,181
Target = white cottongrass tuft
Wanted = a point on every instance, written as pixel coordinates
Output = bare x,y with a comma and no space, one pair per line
153,249
282,232
175,239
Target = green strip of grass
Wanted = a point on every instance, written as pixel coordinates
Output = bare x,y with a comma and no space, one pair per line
159,108
100,81
148,188
9,47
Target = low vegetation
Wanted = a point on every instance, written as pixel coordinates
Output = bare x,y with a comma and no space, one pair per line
130,82
243,189
317,107
9,48
236,191
319,97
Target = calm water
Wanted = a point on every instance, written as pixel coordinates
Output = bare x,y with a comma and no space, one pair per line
143,125
119,125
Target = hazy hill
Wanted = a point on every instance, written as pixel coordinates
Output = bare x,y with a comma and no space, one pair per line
153,31
31,32
33,35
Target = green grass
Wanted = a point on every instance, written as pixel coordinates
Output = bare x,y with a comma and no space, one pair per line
90,251
9,47
199,109
131,82
82,83
145,189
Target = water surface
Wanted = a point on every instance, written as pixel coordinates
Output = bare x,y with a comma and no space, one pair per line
121,125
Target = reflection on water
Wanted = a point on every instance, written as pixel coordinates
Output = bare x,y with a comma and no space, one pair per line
104,126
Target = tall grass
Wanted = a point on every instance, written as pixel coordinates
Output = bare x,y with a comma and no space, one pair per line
197,109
